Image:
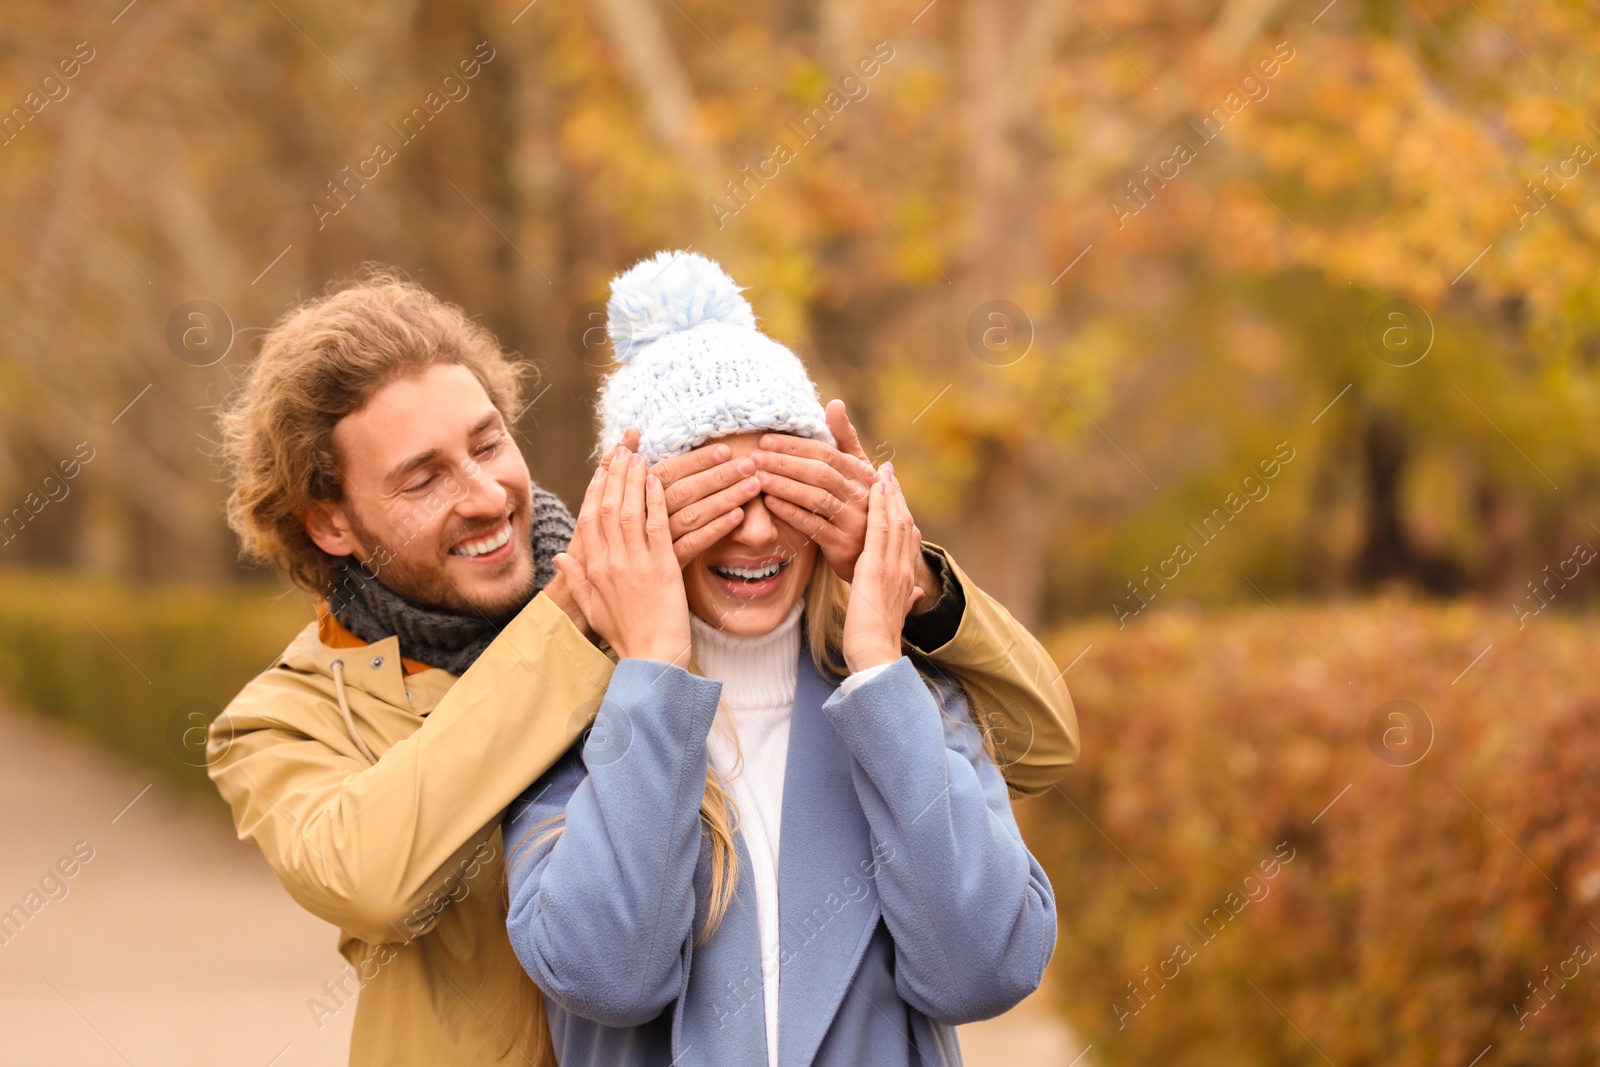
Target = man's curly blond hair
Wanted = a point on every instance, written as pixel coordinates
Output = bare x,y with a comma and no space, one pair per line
321,361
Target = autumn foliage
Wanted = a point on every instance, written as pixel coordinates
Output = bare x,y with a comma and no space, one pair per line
1200,217
1359,234
1433,881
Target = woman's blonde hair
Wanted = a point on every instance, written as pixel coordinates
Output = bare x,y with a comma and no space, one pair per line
321,361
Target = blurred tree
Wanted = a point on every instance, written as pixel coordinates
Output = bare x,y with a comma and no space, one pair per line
877,176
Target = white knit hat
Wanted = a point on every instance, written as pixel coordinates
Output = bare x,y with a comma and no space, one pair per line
691,365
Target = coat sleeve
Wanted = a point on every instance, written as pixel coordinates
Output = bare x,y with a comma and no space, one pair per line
376,849
601,911
1023,702
970,910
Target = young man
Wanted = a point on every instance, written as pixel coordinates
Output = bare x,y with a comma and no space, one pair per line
372,461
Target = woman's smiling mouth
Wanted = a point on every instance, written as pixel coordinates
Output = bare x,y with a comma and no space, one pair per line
749,579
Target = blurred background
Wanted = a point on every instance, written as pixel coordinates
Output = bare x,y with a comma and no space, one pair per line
1247,350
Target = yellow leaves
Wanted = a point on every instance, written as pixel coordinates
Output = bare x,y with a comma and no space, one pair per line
949,418
1412,173
1256,345
1439,506
1259,240
1387,153
805,81
781,286
920,89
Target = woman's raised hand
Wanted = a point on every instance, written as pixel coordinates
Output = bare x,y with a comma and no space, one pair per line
623,573
884,585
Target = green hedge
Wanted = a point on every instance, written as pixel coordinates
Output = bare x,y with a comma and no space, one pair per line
1426,911
137,667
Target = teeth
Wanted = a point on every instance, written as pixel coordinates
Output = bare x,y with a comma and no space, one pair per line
751,573
478,548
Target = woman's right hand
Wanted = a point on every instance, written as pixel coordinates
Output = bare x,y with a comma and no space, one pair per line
628,583
884,586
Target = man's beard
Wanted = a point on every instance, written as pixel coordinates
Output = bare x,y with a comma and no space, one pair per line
431,587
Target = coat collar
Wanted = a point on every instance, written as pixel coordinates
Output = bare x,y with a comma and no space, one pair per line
374,669
334,634
722,1017
827,909
827,899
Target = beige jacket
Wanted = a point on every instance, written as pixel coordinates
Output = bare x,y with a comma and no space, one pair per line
404,854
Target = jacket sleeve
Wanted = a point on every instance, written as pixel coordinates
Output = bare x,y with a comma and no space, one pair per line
1023,703
971,912
376,848
600,913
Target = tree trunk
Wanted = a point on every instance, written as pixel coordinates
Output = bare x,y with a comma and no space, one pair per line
1385,552
1000,539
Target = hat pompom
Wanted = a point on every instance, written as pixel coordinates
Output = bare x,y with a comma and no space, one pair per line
669,293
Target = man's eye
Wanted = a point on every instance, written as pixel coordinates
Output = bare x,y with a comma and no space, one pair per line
488,448
417,487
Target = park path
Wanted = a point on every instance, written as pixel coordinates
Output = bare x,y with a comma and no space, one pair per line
174,945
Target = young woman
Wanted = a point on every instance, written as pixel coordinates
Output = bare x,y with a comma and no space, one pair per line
758,699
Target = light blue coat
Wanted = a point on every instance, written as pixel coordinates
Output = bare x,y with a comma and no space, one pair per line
907,900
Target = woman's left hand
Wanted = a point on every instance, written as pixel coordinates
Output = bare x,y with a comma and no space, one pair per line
884,586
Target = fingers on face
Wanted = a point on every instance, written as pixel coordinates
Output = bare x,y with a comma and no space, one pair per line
609,525
613,499
720,479
690,545
814,526
804,495
832,471
790,445
657,535
692,516
774,450
631,518
838,419
676,468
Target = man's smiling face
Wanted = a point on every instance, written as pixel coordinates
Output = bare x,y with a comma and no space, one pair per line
437,498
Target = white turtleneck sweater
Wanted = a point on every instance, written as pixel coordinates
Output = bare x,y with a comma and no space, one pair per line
749,748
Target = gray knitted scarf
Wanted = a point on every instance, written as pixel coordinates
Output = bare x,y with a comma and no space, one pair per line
438,637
